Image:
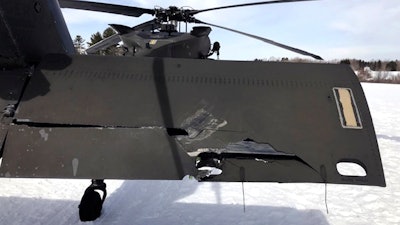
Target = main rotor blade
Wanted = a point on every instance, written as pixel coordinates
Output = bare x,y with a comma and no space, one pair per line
104,7
103,44
247,4
147,26
264,40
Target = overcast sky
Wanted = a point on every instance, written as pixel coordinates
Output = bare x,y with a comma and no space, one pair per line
333,29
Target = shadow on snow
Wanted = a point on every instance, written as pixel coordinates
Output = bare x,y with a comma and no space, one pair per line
154,202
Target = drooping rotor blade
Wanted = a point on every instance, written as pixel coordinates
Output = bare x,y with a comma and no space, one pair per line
121,29
146,26
104,7
103,44
264,40
246,4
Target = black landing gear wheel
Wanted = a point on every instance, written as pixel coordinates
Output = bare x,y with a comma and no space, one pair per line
91,202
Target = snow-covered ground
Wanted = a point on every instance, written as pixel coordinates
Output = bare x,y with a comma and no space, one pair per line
381,76
384,75
38,201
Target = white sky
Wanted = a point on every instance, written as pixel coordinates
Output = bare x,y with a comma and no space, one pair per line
333,29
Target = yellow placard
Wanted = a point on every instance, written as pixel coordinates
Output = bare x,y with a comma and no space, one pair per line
347,108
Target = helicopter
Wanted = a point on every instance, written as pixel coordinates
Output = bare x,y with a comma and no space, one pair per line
164,110
142,40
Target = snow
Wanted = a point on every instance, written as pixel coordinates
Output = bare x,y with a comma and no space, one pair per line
46,201
382,75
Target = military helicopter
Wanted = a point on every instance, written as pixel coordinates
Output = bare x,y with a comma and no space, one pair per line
142,40
171,113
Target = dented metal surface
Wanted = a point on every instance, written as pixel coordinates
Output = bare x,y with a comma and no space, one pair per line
200,125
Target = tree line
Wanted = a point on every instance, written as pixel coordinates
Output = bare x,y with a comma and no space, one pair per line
376,65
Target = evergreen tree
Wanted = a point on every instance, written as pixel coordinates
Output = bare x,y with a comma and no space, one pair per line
373,65
362,64
79,44
379,65
108,32
345,61
391,66
96,37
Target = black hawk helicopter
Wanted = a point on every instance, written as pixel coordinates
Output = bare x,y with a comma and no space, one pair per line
171,112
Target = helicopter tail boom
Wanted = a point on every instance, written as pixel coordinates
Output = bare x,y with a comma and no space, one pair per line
27,34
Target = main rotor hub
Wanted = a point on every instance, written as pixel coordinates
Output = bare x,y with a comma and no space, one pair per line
173,13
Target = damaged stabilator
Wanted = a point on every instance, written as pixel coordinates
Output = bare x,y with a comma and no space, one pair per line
209,161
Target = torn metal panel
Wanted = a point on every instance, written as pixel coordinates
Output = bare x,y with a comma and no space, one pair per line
281,166
93,153
273,170
243,147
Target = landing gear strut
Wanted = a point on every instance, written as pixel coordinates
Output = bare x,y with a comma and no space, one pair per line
91,202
